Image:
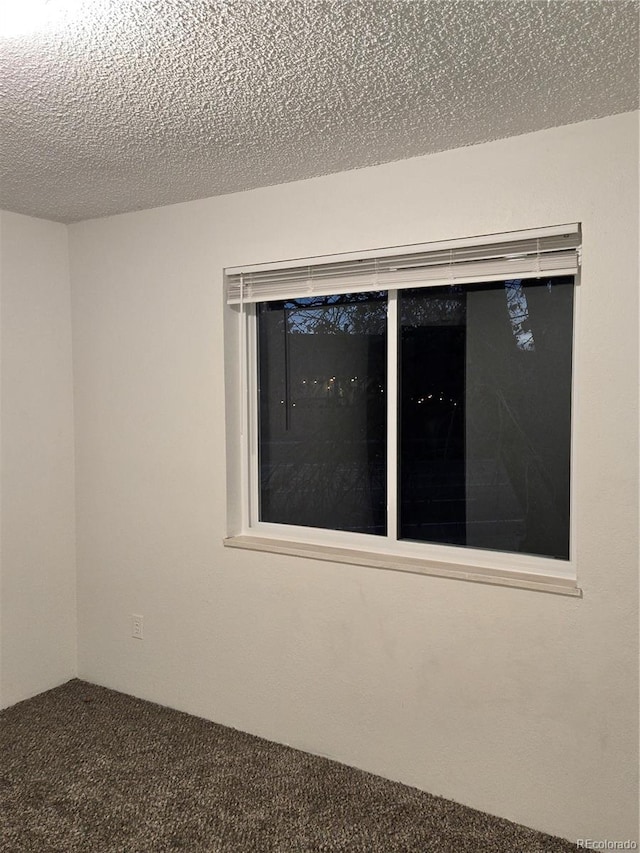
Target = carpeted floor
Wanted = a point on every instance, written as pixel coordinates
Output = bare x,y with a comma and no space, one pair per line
87,769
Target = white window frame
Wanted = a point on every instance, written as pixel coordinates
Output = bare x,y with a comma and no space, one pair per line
388,552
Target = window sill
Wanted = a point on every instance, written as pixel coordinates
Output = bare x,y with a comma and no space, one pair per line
397,563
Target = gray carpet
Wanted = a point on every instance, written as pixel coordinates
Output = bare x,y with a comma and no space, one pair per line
87,769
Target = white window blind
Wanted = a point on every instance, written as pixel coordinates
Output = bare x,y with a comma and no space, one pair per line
546,251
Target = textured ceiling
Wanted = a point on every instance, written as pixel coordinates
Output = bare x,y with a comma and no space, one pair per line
119,105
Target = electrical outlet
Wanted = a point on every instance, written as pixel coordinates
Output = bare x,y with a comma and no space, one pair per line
136,627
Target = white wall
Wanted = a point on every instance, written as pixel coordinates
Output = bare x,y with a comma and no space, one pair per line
37,530
520,703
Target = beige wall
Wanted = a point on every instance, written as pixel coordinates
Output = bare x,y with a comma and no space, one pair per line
520,703
37,535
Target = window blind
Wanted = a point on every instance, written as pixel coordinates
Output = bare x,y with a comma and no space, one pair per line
532,254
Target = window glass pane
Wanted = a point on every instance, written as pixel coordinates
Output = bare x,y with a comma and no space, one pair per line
322,412
485,412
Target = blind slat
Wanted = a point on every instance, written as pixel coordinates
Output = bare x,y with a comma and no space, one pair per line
511,258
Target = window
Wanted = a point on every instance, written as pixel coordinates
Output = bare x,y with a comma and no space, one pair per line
415,404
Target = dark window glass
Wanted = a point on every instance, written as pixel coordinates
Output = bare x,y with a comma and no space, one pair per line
485,412
322,412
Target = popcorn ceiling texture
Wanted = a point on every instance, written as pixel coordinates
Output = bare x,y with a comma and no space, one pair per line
126,104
